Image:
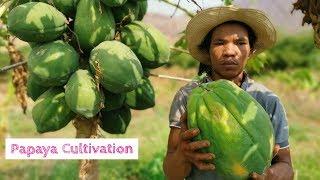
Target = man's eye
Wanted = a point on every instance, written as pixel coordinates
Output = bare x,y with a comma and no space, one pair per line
218,43
242,43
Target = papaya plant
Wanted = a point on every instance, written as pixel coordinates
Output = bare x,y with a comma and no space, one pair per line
92,65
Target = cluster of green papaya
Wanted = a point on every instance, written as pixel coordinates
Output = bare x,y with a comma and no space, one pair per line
88,58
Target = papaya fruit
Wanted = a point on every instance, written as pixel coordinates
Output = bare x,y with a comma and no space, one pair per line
34,90
114,3
67,7
143,7
50,111
117,66
149,44
116,121
82,94
229,117
127,12
143,97
94,23
53,63
36,22
112,100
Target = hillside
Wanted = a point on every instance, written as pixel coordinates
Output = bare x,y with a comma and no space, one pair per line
278,11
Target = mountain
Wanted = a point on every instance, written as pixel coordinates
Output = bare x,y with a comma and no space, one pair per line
170,26
279,12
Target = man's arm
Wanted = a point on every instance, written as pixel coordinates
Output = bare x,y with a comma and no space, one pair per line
281,168
175,166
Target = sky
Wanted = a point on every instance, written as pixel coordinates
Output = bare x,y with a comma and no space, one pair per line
156,6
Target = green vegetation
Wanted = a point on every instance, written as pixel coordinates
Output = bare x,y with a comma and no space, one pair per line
180,56
227,2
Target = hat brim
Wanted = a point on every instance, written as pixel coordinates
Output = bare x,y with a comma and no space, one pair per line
201,24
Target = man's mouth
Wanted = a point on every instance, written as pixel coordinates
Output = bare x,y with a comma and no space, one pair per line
230,62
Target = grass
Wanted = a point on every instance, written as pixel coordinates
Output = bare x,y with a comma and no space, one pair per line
151,127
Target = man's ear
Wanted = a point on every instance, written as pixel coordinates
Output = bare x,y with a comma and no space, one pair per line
252,51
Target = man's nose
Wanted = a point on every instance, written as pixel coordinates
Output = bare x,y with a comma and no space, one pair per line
230,49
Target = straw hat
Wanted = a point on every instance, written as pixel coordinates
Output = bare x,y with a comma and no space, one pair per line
201,24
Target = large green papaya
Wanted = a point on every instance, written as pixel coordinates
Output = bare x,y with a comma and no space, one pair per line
149,44
82,94
34,90
36,22
115,121
114,3
128,12
50,111
117,66
94,23
67,7
238,128
113,101
53,63
142,97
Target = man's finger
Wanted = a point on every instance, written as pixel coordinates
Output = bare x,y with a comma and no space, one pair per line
204,166
198,145
183,122
269,173
195,157
189,134
276,150
256,176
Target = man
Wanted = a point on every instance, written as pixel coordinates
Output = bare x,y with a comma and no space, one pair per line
223,39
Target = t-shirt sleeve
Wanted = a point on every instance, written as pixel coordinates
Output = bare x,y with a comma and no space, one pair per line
178,107
280,124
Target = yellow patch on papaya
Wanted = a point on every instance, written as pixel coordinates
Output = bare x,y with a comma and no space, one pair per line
239,170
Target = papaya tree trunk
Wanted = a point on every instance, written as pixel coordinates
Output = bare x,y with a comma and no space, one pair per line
87,128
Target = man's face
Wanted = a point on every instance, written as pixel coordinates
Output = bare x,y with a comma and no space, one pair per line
229,50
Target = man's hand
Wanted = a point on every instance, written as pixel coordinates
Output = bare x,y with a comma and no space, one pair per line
268,175
281,170
182,153
190,150
278,171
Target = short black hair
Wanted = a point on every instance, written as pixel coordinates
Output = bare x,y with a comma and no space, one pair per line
205,45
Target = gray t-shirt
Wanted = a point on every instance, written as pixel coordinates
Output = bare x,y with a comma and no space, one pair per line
267,99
